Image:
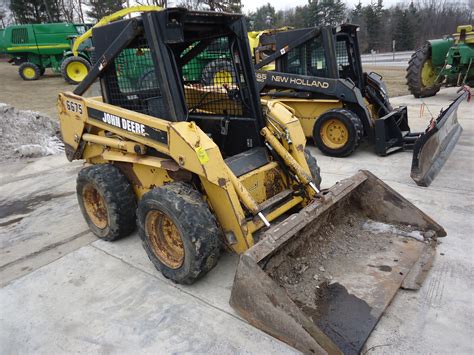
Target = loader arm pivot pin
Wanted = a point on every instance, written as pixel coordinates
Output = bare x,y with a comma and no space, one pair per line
313,186
264,220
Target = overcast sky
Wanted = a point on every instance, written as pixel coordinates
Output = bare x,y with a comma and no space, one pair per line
251,5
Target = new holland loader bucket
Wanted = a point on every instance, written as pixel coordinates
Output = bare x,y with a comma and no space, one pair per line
321,279
432,149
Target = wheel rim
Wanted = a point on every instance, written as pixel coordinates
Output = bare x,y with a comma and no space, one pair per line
428,75
165,239
334,133
95,206
222,77
29,73
77,71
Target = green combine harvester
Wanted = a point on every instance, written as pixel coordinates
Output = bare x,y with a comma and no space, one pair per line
36,47
442,62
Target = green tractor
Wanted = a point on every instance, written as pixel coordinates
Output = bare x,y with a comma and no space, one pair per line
211,66
36,47
442,62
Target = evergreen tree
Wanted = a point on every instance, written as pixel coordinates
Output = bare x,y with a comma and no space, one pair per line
264,17
36,11
403,32
101,8
357,18
325,12
373,14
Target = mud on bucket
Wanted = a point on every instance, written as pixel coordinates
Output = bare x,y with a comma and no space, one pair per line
321,279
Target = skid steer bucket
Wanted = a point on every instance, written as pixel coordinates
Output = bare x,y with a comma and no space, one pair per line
433,147
321,279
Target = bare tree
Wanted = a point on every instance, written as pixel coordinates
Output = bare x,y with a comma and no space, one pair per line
162,3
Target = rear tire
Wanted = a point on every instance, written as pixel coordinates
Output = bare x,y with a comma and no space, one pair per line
313,168
107,201
178,232
338,132
420,73
218,72
74,69
29,71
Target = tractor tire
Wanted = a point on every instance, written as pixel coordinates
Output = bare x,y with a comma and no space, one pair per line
29,71
218,72
338,132
178,232
74,69
107,201
313,167
420,74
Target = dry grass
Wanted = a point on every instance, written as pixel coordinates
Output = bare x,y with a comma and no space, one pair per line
393,77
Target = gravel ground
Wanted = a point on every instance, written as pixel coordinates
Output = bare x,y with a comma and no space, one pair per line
39,95
393,77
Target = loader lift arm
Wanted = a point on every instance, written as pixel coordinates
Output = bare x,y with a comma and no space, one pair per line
113,17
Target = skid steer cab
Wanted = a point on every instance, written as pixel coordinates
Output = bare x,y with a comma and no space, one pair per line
318,73
198,166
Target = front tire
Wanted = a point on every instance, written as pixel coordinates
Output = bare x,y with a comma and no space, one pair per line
29,71
337,132
313,168
421,77
107,201
178,232
74,69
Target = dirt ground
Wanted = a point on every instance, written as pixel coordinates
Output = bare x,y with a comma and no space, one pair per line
39,95
393,77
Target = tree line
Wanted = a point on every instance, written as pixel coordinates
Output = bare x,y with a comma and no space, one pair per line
41,11
409,24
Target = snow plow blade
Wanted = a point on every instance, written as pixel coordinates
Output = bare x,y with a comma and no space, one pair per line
321,279
433,147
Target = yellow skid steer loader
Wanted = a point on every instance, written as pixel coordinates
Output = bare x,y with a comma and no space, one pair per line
200,168
318,73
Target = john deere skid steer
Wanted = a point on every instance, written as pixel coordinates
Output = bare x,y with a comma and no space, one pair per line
202,168
317,72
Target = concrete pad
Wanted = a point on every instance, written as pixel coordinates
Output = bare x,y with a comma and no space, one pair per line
91,302
213,289
39,216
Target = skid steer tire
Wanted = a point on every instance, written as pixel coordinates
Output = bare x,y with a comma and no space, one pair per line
107,201
29,71
218,72
338,132
419,62
313,167
74,69
178,232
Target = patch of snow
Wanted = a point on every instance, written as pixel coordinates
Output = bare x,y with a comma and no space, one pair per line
380,227
27,134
